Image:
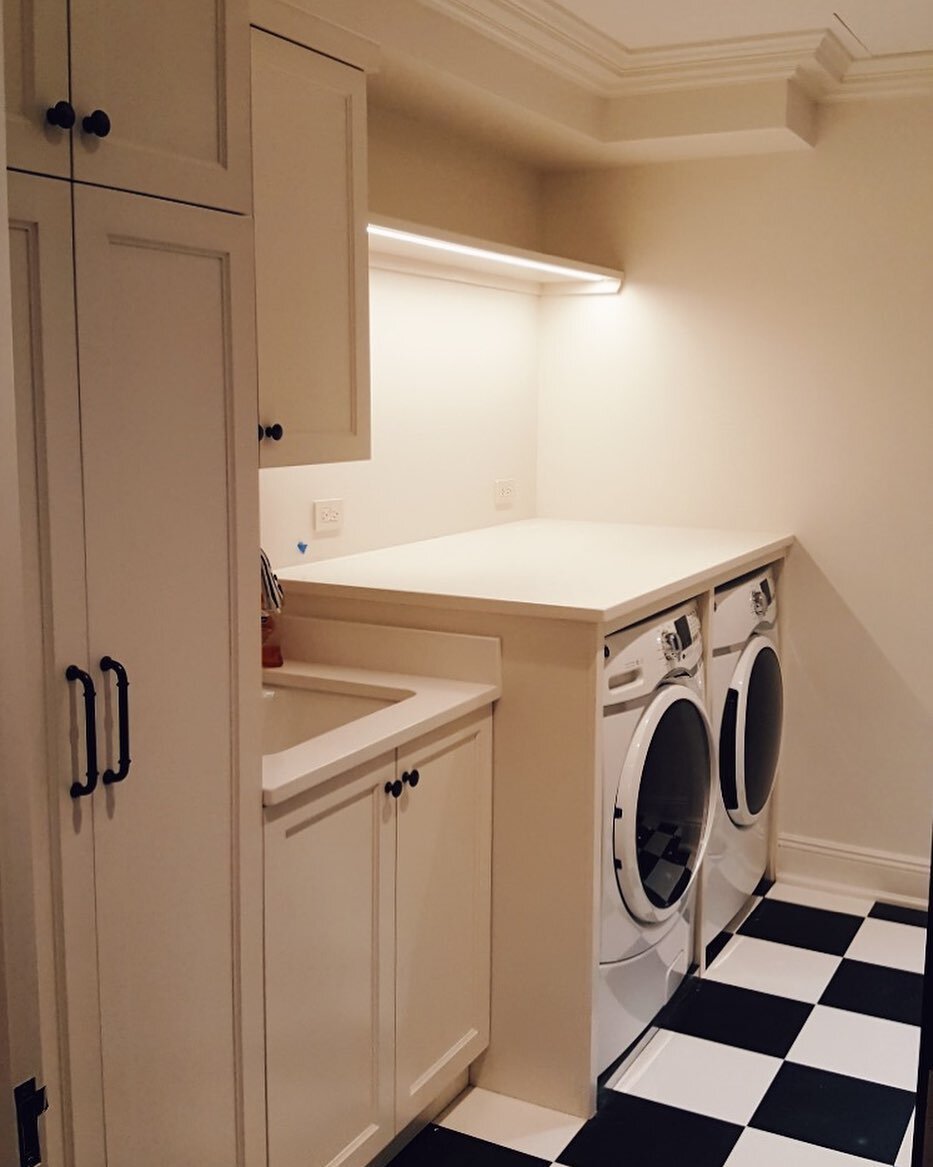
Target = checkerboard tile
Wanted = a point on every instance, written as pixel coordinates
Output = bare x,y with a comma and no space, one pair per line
797,1049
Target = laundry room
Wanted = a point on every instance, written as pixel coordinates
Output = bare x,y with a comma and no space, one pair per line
561,797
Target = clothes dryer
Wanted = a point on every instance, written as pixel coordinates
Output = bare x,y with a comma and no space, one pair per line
658,759
748,702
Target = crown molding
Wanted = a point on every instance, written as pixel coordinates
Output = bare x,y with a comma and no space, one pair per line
544,32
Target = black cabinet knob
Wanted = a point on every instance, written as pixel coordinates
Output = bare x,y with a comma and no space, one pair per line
274,432
262,433
96,123
412,779
61,114
394,788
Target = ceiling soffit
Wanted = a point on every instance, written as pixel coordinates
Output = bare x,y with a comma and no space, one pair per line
830,64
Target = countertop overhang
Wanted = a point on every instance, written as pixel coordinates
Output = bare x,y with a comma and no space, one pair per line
562,569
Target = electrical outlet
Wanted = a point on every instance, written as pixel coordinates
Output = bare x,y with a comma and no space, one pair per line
504,492
328,515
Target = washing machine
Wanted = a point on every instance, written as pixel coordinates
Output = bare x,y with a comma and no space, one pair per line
658,775
747,700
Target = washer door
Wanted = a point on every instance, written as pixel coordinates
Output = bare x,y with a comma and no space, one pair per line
663,804
750,735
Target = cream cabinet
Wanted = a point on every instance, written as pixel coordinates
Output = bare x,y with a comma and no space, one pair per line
151,98
142,529
377,898
309,192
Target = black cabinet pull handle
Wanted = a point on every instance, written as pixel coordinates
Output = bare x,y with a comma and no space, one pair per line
274,432
96,123
61,114
108,664
394,788
412,779
262,433
73,673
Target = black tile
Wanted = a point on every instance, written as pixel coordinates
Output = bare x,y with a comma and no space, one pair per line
831,1110
716,945
812,928
876,990
764,886
745,1018
899,915
638,1133
437,1146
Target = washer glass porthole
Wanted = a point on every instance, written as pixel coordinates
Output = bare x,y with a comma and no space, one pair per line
672,804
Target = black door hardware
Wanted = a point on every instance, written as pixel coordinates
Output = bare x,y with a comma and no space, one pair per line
108,664
30,1102
96,123
274,432
73,673
61,114
411,779
394,788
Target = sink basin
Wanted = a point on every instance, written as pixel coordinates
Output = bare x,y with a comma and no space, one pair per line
301,708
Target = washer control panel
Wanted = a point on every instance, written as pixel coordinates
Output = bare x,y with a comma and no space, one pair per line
639,658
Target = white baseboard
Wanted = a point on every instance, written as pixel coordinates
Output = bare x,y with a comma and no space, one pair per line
881,875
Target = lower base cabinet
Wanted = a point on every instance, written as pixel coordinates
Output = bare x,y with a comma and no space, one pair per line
377,901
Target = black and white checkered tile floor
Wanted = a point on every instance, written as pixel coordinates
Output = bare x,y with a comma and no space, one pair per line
798,1049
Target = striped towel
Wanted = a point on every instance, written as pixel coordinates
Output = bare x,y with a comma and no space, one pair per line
271,588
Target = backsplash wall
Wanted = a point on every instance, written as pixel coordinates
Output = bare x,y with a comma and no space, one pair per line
454,407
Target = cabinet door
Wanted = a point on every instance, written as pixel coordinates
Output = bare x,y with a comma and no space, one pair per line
329,943
35,34
167,373
173,78
442,909
51,524
309,192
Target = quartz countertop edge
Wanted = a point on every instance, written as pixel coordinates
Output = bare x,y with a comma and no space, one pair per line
559,569
435,702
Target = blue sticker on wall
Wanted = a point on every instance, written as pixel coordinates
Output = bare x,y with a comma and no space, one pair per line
302,547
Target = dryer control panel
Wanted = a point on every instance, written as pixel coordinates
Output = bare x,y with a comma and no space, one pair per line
639,658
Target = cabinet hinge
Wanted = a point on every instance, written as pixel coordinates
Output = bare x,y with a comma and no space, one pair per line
31,1102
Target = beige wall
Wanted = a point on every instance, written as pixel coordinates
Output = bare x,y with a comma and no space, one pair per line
421,172
769,364
454,401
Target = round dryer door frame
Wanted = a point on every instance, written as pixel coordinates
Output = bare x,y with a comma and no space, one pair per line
742,814
625,844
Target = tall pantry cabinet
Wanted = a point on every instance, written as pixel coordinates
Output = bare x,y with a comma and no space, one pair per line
135,383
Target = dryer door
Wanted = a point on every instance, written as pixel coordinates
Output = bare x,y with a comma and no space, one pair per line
663,804
750,735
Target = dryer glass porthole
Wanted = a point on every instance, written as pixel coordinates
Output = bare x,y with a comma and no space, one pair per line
671,808
750,735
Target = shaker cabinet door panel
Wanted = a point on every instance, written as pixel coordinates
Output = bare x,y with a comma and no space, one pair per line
330,865
35,34
443,912
52,532
161,319
309,180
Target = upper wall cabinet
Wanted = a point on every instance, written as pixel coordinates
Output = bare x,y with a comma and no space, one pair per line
158,100
309,192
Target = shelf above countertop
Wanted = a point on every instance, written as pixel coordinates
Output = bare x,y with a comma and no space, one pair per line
560,569
397,245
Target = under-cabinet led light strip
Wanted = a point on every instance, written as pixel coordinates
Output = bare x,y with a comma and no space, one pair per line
482,253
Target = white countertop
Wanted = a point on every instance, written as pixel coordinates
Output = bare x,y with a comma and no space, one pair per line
433,703
595,572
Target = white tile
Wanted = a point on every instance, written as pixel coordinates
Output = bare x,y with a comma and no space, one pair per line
895,945
767,967
811,897
703,1076
512,1123
859,1046
905,1153
762,1149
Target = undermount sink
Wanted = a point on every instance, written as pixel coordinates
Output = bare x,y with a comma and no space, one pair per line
301,708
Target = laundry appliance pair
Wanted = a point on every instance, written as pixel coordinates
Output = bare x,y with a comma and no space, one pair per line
680,790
